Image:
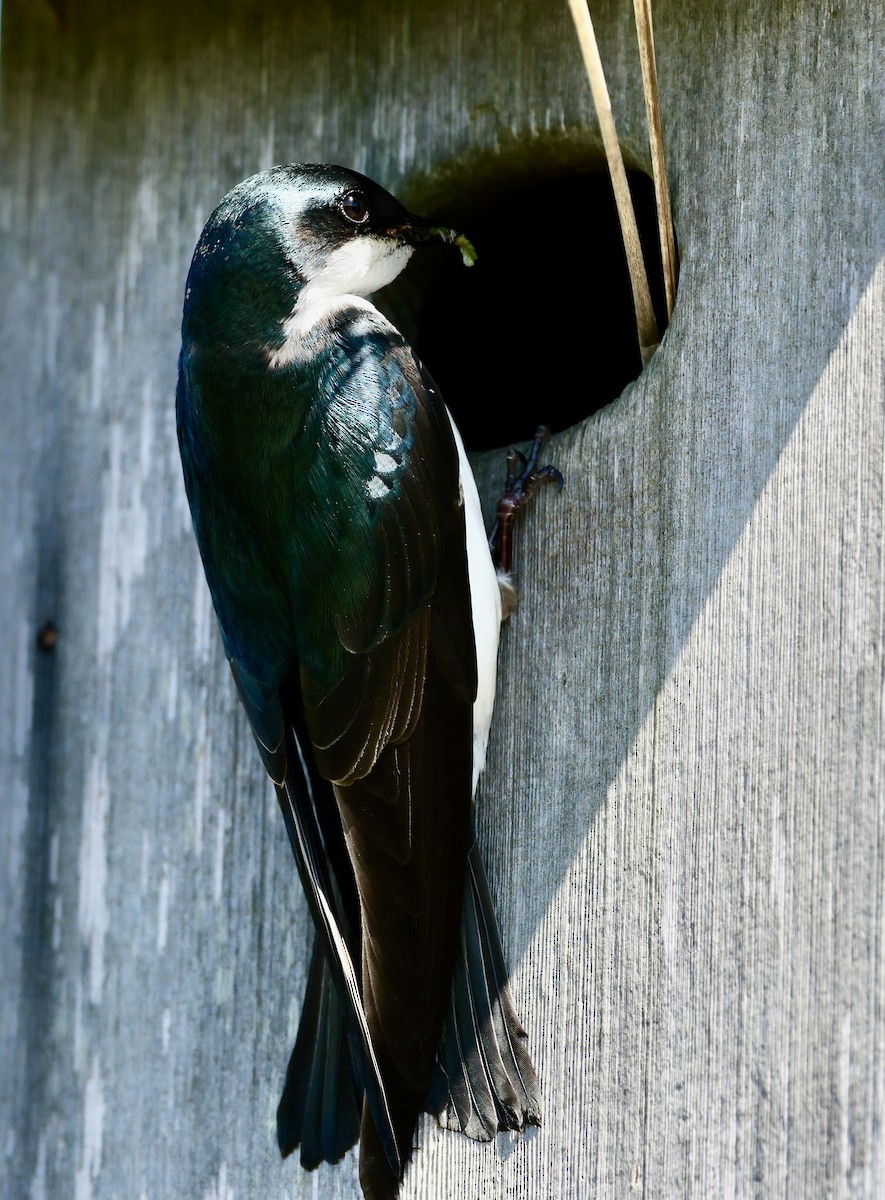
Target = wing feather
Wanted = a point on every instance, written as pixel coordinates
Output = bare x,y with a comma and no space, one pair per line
303,827
363,512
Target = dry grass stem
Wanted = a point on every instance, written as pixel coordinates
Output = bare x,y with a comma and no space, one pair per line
645,34
646,325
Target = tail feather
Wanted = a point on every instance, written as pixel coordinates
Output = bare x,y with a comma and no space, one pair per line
322,1100
467,1103
485,1081
304,826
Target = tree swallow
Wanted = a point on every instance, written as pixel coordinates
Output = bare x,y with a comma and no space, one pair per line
343,544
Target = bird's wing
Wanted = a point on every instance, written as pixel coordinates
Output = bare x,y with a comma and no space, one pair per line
244,563
346,614
382,502
389,709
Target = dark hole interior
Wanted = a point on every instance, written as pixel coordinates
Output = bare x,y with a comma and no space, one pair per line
541,329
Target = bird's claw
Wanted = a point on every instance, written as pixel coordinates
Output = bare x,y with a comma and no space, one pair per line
522,485
523,477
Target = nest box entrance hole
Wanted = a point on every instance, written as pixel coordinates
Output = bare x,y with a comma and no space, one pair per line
541,329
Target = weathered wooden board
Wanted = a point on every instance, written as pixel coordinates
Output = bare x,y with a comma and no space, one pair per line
684,810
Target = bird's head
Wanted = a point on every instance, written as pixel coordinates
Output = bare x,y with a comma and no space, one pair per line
284,246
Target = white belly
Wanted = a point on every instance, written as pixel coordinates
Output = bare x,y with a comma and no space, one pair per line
485,602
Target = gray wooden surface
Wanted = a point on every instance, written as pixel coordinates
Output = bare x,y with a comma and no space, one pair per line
683,809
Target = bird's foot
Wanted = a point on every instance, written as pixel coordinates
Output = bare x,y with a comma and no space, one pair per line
518,490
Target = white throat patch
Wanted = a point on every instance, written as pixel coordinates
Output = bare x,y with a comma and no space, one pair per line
348,274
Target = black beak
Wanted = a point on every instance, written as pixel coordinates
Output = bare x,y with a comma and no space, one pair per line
418,231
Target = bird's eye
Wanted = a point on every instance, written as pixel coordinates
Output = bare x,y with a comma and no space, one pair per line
354,207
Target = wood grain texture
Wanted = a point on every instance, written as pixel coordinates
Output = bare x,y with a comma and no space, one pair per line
683,808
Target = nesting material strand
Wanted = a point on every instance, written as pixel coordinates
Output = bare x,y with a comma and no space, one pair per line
645,36
646,324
